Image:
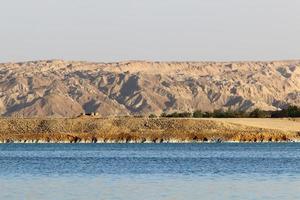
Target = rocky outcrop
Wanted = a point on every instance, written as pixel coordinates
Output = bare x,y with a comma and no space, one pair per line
64,89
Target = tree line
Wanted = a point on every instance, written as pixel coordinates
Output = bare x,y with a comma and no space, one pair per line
290,111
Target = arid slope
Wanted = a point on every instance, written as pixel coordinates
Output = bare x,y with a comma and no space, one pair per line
65,89
137,130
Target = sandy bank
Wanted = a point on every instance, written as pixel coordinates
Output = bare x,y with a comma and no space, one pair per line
145,130
284,124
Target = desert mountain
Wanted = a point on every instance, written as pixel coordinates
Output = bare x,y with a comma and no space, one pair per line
63,89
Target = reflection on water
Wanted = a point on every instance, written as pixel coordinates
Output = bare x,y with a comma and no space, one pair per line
149,187
150,171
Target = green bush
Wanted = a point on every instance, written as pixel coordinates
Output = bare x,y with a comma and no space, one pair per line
197,114
152,116
207,115
257,113
180,115
291,111
163,114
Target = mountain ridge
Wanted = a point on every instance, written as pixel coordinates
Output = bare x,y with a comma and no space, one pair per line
60,88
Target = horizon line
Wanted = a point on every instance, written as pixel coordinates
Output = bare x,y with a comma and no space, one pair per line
153,61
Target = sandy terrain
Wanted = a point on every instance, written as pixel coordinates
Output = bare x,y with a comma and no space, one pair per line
141,130
279,124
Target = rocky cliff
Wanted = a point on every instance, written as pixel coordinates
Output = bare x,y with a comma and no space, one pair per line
63,88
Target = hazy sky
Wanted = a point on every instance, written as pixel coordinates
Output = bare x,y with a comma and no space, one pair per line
112,30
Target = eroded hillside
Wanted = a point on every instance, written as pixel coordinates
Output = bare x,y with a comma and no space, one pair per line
61,88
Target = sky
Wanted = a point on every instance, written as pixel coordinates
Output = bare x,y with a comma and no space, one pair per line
160,30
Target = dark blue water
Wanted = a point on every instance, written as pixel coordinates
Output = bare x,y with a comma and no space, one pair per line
149,171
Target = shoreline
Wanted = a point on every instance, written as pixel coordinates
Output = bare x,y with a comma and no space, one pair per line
147,142
146,130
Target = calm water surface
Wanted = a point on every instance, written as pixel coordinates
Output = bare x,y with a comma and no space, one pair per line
149,171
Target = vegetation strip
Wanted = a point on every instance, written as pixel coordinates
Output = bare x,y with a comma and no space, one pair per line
290,111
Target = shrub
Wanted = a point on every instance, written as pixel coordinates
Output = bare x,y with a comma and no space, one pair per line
163,114
152,116
180,115
185,114
219,114
198,114
207,115
257,113
291,111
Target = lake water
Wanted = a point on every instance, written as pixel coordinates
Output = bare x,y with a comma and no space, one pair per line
150,171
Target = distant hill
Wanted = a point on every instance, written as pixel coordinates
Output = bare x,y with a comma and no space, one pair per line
64,89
